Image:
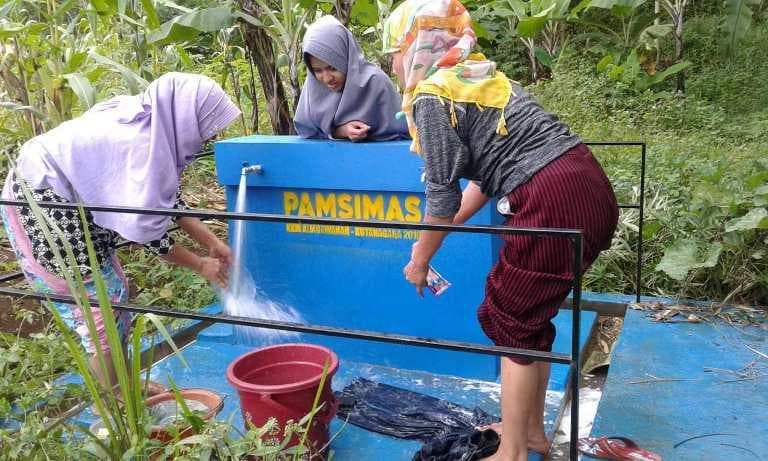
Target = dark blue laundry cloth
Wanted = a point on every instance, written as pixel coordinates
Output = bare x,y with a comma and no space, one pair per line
405,414
459,446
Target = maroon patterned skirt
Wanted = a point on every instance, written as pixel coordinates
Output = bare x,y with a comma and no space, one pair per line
534,275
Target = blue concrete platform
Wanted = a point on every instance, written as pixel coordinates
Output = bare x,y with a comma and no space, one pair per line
688,391
210,355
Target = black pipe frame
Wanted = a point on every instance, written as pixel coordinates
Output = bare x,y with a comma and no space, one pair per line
574,236
640,206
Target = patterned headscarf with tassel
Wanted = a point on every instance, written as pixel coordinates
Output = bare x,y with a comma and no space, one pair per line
436,39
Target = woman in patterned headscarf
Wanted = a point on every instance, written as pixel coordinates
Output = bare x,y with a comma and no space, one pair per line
127,151
469,121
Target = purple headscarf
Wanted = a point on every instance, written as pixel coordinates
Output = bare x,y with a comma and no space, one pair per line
130,151
368,95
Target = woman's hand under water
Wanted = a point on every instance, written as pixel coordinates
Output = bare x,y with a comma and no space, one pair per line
222,252
214,271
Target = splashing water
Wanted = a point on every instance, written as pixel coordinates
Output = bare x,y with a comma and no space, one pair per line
253,303
245,299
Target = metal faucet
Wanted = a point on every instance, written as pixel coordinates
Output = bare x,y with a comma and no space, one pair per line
247,169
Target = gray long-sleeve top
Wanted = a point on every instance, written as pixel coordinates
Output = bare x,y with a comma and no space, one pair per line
473,150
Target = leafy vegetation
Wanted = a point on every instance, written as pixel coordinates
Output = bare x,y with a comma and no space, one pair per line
689,78
24,367
59,58
30,396
704,236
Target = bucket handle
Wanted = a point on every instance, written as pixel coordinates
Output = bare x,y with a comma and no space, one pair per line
325,415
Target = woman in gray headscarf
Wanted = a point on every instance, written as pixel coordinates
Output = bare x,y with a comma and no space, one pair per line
344,96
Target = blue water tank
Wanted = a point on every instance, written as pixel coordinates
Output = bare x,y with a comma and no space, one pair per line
352,277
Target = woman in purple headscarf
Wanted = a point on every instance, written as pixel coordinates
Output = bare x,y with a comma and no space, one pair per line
127,151
344,96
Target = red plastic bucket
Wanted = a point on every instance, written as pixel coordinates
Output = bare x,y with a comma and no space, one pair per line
281,382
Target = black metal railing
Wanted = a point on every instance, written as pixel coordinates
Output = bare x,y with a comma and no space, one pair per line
574,236
640,205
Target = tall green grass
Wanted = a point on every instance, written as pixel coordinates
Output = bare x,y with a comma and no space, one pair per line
706,168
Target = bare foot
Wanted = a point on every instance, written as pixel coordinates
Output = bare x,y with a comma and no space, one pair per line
539,443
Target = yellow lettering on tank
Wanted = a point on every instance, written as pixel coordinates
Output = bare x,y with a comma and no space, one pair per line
358,214
290,202
413,207
345,206
373,208
325,206
394,211
305,206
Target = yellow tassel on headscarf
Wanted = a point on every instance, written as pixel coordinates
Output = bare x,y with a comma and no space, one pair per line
501,127
489,92
415,144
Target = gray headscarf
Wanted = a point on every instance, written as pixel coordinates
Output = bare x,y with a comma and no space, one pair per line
368,95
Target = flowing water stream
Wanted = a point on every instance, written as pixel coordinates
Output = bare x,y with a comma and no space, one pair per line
244,298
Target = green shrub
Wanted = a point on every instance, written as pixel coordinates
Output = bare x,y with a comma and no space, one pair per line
706,194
